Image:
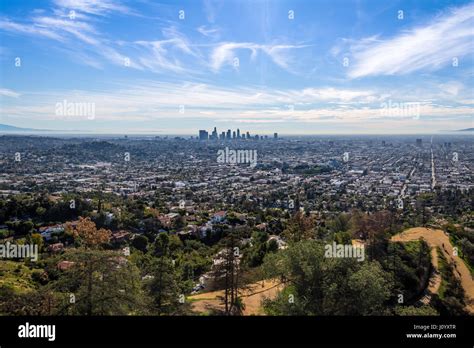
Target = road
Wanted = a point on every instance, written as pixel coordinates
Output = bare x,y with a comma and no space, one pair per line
433,174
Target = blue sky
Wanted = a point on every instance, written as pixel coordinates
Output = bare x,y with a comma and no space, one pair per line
295,67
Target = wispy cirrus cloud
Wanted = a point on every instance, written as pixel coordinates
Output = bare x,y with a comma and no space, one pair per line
9,93
427,47
94,7
77,29
224,53
29,29
208,31
77,32
161,55
172,52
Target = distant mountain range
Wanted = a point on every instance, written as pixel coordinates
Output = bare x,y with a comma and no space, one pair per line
7,128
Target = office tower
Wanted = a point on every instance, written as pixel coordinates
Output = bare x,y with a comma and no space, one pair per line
266,136
248,135
214,133
238,133
234,135
419,142
203,135
275,135
222,137
228,134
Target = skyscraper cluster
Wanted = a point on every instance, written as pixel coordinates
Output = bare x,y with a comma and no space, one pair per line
231,135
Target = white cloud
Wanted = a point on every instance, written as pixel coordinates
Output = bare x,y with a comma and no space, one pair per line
209,31
452,87
340,95
162,55
79,37
80,30
9,93
158,100
94,7
429,47
225,52
174,52
30,29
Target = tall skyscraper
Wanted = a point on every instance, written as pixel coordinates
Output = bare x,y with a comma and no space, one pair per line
234,135
275,135
248,135
214,134
238,133
228,134
203,135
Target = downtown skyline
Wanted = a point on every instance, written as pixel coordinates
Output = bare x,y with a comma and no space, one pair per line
293,68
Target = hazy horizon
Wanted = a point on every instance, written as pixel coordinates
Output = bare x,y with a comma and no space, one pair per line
300,68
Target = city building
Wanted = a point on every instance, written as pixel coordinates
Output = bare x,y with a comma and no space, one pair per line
203,135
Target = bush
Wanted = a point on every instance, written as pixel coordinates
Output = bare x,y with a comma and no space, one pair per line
140,242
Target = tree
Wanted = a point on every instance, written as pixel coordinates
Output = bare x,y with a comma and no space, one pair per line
35,238
140,242
340,223
87,234
164,285
299,227
21,228
368,289
317,285
38,302
227,270
255,254
412,310
272,246
99,283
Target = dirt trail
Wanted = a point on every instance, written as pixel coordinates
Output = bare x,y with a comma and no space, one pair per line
252,297
437,238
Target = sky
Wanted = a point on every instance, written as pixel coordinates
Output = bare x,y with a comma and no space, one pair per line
264,66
